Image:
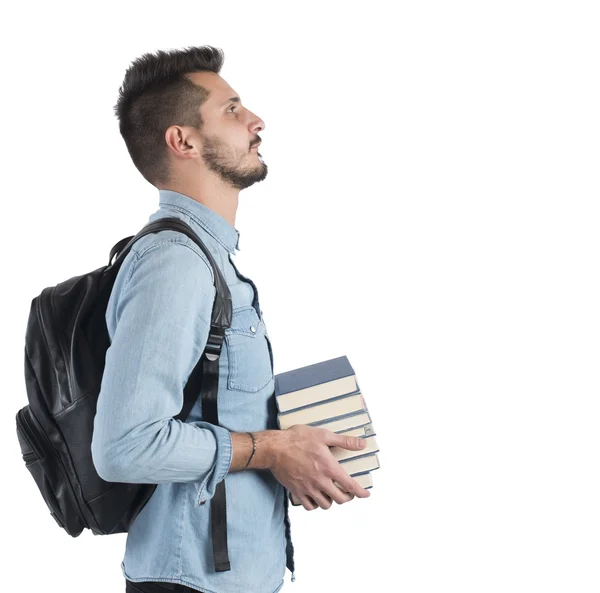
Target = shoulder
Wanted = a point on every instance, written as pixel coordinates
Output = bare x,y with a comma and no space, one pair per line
163,269
170,248
165,273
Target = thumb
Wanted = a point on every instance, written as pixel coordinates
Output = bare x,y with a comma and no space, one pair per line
347,442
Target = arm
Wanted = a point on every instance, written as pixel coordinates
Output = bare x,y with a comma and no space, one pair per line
161,319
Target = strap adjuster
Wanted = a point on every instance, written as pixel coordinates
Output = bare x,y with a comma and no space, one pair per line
214,343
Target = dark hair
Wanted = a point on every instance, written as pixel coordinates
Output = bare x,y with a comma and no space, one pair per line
154,95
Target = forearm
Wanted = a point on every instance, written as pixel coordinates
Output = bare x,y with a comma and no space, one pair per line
179,452
264,454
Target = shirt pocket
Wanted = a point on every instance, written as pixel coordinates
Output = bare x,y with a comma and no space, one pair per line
248,353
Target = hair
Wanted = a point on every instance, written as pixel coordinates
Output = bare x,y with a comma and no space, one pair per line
154,95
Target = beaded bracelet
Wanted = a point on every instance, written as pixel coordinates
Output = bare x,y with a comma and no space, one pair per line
253,449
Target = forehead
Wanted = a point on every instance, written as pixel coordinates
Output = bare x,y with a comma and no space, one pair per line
220,91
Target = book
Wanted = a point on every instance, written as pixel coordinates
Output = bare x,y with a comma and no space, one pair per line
315,383
323,412
347,422
364,480
360,465
361,431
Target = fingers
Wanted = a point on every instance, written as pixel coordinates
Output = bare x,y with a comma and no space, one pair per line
325,497
322,499
333,439
339,495
348,484
307,502
314,501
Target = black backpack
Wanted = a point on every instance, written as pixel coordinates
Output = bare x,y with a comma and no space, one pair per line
65,349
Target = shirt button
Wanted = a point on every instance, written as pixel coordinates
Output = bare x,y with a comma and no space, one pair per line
252,329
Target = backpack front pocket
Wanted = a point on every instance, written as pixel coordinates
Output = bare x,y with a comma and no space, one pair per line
37,455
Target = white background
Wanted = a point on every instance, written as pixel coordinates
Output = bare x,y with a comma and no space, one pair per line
431,211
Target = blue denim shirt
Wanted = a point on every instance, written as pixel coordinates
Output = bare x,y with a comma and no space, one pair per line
158,318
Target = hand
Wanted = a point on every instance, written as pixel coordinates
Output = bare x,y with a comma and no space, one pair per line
303,463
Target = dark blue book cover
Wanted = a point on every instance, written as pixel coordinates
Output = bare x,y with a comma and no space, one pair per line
314,374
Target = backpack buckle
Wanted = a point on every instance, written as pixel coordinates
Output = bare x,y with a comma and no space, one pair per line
212,351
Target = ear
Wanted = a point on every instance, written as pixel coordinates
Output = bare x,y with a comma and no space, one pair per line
182,142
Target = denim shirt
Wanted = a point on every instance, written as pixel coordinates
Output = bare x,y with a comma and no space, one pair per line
158,318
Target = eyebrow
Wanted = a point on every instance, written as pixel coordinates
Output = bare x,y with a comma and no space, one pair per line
234,99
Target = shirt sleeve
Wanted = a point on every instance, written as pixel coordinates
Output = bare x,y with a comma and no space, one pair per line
160,319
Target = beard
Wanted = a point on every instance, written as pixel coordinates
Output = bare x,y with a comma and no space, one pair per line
238,168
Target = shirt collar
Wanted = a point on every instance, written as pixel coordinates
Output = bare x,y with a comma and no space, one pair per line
214,224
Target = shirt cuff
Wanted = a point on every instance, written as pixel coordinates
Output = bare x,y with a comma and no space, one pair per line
206,487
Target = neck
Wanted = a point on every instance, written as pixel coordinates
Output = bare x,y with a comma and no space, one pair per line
220,197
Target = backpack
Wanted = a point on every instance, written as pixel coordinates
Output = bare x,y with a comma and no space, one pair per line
65,348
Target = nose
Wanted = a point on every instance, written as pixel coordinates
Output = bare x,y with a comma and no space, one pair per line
257,125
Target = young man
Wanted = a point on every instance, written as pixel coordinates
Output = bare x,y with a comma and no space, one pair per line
190,136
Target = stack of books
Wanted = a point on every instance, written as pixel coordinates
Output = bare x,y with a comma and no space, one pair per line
327,395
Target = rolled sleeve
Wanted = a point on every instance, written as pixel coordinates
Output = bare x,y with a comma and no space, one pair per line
158,321
206,488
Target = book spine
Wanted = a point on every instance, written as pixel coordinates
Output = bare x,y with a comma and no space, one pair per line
275,392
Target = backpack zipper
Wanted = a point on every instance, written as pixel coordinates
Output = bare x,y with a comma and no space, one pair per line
38,304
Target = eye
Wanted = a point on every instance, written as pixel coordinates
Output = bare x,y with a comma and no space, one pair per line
232,107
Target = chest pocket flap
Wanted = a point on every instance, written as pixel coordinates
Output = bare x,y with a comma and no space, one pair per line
248,352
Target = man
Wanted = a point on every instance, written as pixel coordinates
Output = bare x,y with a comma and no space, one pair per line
190,136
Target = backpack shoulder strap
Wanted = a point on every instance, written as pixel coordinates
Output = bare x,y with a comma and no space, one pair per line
206,368
221,312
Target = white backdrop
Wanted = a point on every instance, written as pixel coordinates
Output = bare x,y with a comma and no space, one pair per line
431,211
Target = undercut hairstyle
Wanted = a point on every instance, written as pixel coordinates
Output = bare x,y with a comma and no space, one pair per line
154,95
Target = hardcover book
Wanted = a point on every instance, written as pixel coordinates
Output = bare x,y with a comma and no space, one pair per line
348,422
362,431
323,411
315,383
360,465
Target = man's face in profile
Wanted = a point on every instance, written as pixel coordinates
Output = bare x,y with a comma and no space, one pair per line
229,134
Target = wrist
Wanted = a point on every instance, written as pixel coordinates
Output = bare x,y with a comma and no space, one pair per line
251,435
265,450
